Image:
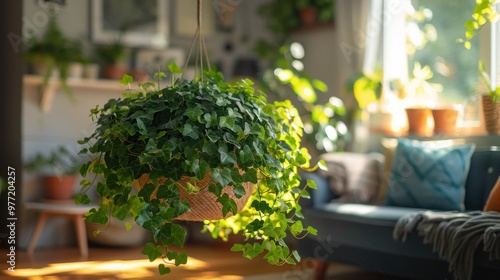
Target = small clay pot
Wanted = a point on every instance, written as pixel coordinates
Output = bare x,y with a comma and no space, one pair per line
60,187
445,120
419,121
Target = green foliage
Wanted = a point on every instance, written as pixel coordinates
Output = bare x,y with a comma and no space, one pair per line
323,121
113,53
483,12
324,125
60,161
191,128
485,79
55,49
366,87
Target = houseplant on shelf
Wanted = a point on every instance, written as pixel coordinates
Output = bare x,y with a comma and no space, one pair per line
52,54
59,169
111,57
203,140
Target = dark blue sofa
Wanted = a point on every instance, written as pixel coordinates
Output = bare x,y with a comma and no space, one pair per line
361,235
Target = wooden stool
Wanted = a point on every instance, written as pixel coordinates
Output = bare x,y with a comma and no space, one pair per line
72,211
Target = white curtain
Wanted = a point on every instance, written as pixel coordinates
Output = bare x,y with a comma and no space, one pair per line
350,21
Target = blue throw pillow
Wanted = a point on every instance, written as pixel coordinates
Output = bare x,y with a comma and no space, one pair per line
424,176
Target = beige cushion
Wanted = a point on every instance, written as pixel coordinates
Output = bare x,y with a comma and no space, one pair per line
355,177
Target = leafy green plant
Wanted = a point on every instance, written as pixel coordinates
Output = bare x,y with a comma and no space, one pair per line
485,79
325,129
55,50
483,12
194,128
60,161
111,54
324,126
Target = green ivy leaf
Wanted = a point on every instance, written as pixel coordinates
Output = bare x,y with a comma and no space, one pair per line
246,155
225,156
126,79
228,205
174,68
180,258
227,122
193,113
251,251
239,191
180,207
146,192
82,199
153,252
162,269
121,212
212,136
190,131
147,218
99,216
222,177
312,230
237,247
296,228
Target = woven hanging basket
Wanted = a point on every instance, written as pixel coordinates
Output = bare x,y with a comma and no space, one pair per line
203,203
491,113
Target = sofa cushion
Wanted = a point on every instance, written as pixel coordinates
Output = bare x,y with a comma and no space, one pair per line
389,145
367,226
353,177
428,177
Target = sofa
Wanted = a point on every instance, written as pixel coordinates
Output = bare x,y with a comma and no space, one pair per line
358,229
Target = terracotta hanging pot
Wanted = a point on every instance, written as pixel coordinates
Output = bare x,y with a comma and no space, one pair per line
491,113
203,203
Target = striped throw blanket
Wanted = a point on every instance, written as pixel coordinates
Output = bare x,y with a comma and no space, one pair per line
455,236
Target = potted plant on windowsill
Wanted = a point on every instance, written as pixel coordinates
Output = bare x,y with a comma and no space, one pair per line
200,143
485,12
59,169
490,101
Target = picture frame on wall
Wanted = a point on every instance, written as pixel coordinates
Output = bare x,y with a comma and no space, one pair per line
136,23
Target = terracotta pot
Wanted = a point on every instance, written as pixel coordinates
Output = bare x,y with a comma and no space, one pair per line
60,187
308,16
419,121
445,120
113,72
203,203
491,113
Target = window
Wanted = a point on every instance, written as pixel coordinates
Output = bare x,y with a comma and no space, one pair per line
428,31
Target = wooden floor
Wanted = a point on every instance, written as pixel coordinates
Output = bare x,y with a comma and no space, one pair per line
205,262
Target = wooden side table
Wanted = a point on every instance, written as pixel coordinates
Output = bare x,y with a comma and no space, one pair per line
72,211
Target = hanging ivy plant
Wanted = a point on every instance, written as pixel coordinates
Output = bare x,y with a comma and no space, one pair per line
203,130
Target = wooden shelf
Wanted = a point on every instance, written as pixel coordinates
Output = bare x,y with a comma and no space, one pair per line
48,91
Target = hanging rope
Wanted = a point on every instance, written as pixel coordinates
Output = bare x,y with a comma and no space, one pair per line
199,39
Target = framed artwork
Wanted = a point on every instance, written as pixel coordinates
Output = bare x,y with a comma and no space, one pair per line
136,23
150,61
